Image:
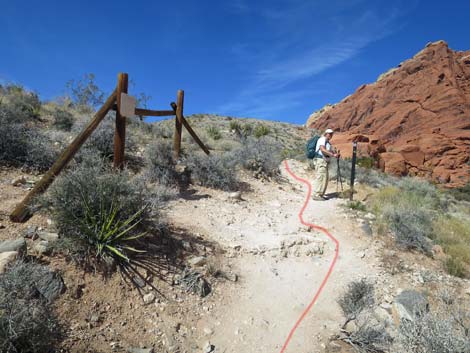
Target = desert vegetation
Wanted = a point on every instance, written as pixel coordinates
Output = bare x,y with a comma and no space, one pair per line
27,320
416,326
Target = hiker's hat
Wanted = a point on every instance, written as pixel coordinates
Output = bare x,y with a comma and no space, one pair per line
328,131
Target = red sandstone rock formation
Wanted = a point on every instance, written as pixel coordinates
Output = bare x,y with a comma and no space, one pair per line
415,120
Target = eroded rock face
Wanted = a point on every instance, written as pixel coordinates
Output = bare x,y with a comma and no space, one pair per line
415,120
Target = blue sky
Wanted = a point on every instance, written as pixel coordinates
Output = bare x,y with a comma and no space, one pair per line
269,59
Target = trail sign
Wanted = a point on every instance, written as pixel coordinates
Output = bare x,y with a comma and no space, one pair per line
128,104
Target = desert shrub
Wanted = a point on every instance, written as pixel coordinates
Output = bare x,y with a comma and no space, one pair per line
99,209
366,162
261,130
18,105
85,93
247,130
216,171
214,133
421,192
25,147
461,193
27,322
62,119
434,333
160,165
453,234
261,156
367,176
411,227
235,126
101,141
370,338
358,297
356,205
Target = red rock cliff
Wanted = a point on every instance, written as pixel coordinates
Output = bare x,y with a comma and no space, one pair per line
415,120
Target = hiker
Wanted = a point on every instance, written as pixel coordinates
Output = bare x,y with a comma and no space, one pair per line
323,153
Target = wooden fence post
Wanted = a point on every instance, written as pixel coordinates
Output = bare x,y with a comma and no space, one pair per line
120,132
21,211
178,124
191,131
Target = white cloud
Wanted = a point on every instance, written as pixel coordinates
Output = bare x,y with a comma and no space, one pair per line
300,55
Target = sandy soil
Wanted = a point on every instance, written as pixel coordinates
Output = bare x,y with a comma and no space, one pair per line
281,264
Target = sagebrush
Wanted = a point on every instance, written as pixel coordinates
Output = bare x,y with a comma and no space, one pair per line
27,321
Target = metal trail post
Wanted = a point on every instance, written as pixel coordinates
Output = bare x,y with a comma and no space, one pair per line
353,170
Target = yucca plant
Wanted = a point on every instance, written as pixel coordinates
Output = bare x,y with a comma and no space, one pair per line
108,233
214,133
99,212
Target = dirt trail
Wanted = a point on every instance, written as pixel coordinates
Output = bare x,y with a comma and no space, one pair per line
280,262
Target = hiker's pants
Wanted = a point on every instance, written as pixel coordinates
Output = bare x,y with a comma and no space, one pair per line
321,177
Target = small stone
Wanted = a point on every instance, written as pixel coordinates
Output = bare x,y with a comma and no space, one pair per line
237,195
208,347
14,245
6,258
21,180
50,285
31,232
367,229
208,331
42,247
232,277
149,298
408,305
2,226
48,236
370,216
197,261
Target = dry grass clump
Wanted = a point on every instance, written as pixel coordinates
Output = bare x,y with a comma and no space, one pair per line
419,215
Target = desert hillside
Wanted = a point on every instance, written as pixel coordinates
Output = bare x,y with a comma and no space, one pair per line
415,120
219,253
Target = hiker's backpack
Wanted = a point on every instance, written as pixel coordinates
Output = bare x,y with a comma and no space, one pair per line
310,149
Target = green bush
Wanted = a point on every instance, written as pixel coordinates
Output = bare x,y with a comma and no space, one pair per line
453,234
18,105
214,133
261,130
99,211
235,126
461,193
214,171
27,321
63,119
356,205
366,162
